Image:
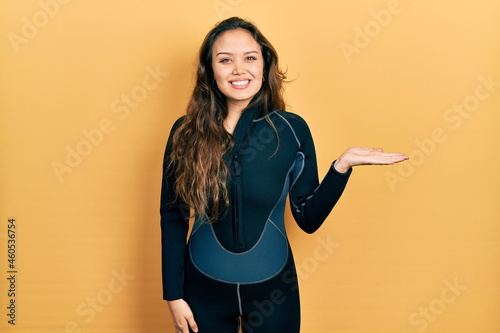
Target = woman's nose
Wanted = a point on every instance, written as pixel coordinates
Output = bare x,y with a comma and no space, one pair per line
239,67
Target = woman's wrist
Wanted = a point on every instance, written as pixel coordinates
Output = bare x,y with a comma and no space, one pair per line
341,166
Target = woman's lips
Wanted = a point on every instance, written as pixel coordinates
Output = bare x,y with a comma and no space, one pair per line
240,84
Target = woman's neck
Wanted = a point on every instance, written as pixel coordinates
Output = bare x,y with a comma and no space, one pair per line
234,112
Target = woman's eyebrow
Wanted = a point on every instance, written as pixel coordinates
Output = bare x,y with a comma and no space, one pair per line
230,53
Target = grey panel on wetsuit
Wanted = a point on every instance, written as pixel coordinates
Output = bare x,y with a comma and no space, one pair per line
262,262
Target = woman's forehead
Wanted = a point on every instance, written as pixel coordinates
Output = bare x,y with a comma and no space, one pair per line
235,41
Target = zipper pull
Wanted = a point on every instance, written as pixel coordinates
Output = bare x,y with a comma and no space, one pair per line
236,164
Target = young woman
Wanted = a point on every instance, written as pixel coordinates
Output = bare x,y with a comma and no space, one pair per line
232,160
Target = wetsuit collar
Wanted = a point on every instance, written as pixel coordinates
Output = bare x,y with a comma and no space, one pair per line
244,124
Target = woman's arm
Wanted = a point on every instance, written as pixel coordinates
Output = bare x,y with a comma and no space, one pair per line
311,202
174,229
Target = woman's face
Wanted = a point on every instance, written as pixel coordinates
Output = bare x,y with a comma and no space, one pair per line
238,67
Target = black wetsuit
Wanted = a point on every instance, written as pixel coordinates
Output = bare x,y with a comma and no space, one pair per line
241,266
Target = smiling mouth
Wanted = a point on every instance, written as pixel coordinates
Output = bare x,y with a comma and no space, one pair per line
239,83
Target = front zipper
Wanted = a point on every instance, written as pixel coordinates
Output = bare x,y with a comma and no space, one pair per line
235,171
238,239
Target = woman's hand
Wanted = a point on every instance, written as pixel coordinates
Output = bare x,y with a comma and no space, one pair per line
182,316
366,156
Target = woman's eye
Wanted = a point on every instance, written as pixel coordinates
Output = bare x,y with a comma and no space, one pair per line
225,60
250,58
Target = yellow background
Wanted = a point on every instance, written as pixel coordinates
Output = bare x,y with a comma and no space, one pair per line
402,235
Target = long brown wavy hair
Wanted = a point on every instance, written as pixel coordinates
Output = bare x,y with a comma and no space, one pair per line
201,141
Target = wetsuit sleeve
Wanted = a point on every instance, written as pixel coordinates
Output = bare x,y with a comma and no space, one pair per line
174,230
311,201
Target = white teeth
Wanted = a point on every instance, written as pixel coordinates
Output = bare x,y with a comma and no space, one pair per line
240,83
